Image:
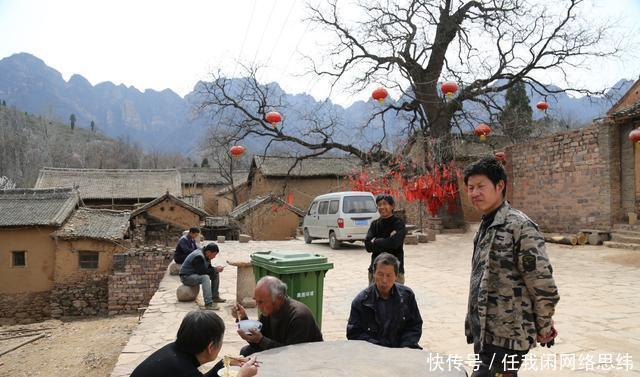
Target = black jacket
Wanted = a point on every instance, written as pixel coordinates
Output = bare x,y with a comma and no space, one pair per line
168,361
406,325
384,242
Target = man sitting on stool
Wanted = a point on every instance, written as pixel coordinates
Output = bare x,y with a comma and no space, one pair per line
197,270
284,320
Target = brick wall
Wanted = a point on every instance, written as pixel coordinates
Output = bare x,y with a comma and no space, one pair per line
136,277
564,182
81,298
24,308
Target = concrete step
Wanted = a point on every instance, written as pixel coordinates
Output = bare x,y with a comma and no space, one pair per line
622,238
626,233
621,245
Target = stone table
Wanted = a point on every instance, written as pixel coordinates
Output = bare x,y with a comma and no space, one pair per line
245,283
348,358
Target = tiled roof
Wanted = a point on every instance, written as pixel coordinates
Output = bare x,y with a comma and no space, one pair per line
178,201
209,176
32,207
310,167
245,208
629,112
98,224
113,183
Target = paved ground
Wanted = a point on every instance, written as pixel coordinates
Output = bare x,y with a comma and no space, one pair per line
597,317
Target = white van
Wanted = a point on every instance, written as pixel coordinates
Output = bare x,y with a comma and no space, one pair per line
340,216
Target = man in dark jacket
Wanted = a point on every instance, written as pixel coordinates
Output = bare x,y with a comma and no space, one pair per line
197,270
186,244
386,235
386,313
199,341
285,321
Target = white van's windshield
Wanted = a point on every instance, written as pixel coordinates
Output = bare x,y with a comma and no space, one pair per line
358,204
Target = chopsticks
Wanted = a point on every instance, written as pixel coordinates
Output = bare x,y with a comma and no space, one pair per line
237,358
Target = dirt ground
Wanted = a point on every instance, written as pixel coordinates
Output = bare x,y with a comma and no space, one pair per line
85,347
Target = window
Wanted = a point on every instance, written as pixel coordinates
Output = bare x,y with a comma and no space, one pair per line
313,209
18,259
322,209
359,204
88,260
333,206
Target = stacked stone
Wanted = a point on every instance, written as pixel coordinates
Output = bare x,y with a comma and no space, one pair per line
87,297
23,308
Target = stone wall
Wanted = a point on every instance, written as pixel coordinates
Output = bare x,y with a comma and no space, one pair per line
136,277
81,298
569,181
24,308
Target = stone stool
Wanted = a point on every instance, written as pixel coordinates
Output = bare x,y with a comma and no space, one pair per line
174,268
221,239
411,239
245,282
185,293
244,238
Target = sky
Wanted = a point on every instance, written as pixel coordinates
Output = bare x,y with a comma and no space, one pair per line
159,44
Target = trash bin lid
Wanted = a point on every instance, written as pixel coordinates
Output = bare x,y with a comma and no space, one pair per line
290,262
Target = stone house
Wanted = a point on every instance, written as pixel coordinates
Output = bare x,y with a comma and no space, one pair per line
113,188
163,220
208,182
225,196
268,218
28,217
282,177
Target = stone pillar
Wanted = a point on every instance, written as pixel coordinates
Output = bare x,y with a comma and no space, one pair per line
245,283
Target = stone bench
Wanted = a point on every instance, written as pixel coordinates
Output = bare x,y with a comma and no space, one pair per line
185,293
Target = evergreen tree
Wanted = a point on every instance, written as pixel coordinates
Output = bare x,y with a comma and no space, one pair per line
72,120
205,163
93,126
515,119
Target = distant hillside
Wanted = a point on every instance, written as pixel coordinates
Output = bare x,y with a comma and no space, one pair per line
30,142
163,121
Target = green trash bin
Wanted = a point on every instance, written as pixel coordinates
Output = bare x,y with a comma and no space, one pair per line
302,272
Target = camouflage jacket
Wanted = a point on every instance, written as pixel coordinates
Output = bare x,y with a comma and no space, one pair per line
517,295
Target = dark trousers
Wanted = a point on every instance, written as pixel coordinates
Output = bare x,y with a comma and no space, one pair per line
497,361
249,349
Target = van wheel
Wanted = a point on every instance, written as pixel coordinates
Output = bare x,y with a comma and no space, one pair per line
333,241
307,237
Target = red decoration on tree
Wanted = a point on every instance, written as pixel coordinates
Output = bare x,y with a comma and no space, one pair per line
237,150
482,130
634,137
379,95
449,88
542,105
274,118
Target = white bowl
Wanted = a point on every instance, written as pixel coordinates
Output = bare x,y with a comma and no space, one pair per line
248,324
233,371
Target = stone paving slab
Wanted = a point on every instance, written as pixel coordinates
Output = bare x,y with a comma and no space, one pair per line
597,316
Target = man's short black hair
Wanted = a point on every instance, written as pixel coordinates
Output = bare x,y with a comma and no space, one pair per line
211,247
386,197
197,330
489,167
388,260
194,230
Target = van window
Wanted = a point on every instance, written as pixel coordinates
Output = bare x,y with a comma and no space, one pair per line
322,208
313,209
359,204
333,206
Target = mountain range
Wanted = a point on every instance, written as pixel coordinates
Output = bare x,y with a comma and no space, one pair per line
164,121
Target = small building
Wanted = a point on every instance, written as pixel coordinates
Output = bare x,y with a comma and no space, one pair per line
163,220
27,250
225,197
85,246
267,218
207,182
301,181
113,188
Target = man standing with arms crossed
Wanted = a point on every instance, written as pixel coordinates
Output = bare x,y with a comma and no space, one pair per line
512,293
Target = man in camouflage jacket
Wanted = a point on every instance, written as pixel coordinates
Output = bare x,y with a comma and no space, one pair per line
512,295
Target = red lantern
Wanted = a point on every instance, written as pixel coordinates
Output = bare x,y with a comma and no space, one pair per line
237,150
449,88
379,94
634,136
273,117
542,105
500,156
482,130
